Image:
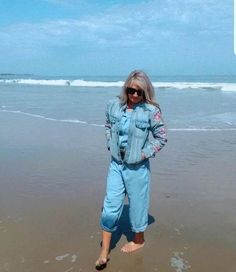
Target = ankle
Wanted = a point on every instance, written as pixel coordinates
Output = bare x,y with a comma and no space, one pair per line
139,238
105,251
139,241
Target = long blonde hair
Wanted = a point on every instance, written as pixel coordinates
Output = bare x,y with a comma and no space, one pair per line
143,81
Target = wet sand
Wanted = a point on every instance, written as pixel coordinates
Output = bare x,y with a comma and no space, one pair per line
52,178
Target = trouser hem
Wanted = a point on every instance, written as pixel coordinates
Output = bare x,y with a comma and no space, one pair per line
108,229
142,229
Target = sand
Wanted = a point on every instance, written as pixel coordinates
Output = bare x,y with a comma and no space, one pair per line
52,178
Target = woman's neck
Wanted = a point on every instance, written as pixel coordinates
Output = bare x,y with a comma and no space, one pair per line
130,105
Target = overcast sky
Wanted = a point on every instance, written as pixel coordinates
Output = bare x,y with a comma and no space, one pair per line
88,37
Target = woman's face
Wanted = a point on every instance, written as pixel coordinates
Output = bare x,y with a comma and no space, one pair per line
135,97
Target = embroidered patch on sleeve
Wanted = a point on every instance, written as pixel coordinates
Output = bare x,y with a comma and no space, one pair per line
157,116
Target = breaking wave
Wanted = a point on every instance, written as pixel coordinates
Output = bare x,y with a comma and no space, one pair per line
231,87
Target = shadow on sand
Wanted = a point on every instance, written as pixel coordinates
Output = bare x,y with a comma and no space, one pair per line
124,227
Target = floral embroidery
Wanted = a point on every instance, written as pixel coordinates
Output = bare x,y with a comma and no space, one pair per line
157,148
162,131
157,116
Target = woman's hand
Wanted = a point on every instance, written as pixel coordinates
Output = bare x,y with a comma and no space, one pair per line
143,156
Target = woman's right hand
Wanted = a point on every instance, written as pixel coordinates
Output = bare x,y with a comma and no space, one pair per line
143,156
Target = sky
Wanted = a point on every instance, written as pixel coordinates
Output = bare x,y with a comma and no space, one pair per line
111,37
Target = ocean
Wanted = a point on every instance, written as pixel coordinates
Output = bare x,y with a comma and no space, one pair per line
196,103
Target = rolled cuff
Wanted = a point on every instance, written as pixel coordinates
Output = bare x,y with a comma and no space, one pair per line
141,229
107,229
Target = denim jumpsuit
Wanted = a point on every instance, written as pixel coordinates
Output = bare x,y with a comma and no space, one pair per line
129,173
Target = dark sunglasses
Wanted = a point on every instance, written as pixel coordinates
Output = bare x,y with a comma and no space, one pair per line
133,91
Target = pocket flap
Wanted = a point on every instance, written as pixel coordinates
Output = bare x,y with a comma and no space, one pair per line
141,124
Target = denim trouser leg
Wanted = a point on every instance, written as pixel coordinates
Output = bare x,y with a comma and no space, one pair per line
137,183
133,180
114,199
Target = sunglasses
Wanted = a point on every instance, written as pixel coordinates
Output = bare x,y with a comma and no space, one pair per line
133,91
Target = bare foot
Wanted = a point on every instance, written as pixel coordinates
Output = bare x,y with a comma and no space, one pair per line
101,262
131,246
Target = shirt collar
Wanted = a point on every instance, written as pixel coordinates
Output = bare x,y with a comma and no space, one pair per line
139,104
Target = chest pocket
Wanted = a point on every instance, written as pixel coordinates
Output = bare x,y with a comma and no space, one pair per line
141,128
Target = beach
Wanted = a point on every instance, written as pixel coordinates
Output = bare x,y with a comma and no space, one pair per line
63,63
53,177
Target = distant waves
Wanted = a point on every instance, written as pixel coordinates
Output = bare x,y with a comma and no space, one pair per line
223,86
63,82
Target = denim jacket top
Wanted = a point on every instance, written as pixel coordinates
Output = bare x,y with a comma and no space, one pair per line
145,118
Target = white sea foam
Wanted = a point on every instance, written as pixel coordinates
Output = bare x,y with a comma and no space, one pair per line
227,87
231,87
73,258
63,82
202,129
60,258
102,125
178,263
52,119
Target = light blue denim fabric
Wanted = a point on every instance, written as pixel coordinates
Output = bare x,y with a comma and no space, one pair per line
133,180
145,118
124,129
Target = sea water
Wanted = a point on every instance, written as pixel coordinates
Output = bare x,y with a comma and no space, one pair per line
196,103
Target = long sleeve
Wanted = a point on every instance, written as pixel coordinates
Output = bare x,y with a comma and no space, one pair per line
107,128
158,131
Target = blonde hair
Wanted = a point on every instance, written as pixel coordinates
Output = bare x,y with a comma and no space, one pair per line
145,84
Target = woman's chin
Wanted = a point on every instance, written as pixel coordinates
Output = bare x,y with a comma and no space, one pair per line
135,101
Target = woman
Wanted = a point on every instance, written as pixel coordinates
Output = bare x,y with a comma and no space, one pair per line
129,120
